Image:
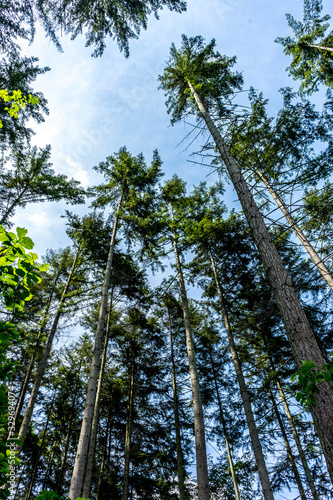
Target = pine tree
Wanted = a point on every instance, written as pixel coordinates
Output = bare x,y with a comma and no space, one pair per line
199,80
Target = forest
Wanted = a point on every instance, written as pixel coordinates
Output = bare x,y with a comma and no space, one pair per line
179,346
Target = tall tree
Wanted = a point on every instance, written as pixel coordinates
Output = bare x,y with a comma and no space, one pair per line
128,179
311,48
30,179
199,80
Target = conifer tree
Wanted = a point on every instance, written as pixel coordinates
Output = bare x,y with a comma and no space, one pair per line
198,80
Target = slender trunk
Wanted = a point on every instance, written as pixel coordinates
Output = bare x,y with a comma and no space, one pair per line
180,465
45,357
47,472
231,464
288,447
27,377
298,442
299,233
68,435
40,450
199,426
128,431
259,456
93,435
300,335
83,445
328,49
100,479
12,206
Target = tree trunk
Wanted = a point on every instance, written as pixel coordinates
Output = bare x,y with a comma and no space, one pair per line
300,335
128,430
299,233
180,465
45,357
100,479
328,49
259,456
199,426
84,440
93,435
27,377
12,206
47,472
288,447
68,435
232,470
298,443
40,450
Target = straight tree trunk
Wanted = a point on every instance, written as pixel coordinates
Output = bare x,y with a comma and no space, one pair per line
100,479
180,465
45,357
68,434
288,447
128,434
231,464
27,377
300,335
32,481
199,426
48,470
93,435
324,271
259,456
328,49
84,440
298,442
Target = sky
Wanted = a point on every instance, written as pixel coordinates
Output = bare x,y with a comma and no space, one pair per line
98,105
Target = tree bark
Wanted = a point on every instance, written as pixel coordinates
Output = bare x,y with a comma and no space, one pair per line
324,271
231,464
199,426
180,465
40,450
259,456
83,445
288,447
298,443
68,435
128,434
328,49
45,357
300,335
100,479
93,435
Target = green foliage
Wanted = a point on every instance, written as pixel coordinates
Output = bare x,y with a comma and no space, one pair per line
309,377
51,495
17,100
207,70
16,76
311,65
31,179
121,20
18,272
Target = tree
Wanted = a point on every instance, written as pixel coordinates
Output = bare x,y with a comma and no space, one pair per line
173,194
128,181
17,73
311,48
31,180
198,80
121,21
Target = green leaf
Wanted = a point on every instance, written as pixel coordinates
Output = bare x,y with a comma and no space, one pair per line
21,232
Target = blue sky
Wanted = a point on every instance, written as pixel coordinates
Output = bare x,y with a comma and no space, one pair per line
98,105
